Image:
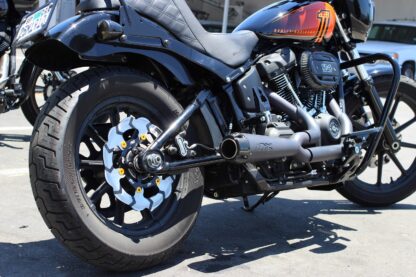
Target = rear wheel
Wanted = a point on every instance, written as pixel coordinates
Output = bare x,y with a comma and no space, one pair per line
97,206
391,176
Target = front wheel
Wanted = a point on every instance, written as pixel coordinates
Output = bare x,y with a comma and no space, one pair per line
94,203
391,176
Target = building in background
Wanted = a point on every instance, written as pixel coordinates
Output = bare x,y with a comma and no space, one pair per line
212,10
395,9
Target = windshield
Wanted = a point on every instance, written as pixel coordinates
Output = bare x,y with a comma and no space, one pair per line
393,33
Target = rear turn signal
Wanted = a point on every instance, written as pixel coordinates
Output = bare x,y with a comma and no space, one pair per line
109,30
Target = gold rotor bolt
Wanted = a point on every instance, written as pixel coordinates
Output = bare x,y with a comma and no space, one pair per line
157,181
139,190
121,171
143,137
123,144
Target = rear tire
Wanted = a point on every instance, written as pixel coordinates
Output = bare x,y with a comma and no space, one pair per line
384,195
58,189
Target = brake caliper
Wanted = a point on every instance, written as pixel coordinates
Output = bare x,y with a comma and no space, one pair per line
139,190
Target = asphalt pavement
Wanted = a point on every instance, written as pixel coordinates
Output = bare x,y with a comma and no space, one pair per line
300,233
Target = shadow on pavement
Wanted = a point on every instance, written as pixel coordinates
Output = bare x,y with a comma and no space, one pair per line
4,138
224,237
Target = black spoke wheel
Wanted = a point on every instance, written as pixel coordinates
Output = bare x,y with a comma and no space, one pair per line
391,176
91,140
68,178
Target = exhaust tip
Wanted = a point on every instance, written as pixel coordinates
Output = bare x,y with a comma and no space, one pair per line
229,149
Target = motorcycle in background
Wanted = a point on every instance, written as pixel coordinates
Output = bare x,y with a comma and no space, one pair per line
28,87
168,112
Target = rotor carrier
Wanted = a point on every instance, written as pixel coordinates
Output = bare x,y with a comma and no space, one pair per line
125,141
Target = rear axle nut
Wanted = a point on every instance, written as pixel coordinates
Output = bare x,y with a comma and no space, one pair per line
150,161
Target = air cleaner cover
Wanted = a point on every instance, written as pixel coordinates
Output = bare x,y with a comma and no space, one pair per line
320,70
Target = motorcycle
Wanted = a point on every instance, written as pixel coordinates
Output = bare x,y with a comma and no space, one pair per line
167,113
20,89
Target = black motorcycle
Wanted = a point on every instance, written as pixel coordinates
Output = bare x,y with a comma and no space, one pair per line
28,87
123,153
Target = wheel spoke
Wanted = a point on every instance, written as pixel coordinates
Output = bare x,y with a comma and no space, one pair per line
397,163
88,177
102,129
380,168
406,125
115,116
91,164
394,109
119,213
88,187
82,157
39,89
95,135
99,193
147,214
106,212
90,146
408,145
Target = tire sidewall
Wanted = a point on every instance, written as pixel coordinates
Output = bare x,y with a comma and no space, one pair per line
126,84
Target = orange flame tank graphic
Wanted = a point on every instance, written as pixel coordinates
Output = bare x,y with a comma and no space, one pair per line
314,22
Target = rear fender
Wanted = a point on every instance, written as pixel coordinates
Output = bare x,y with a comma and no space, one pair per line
73,43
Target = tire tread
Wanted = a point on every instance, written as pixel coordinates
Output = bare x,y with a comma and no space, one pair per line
51,198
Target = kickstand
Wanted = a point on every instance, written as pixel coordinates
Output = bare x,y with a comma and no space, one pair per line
265,198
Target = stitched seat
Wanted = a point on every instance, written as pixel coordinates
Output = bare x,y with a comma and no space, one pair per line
175,15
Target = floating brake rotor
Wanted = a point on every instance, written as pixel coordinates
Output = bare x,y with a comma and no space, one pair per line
117,150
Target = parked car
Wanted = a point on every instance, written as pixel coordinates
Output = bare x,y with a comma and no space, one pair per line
395,38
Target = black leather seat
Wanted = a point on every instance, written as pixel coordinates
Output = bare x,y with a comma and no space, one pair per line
175,15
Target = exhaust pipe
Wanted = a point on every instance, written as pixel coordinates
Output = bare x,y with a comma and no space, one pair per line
313,132
343,118
249,148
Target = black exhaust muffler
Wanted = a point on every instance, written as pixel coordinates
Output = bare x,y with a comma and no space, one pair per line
248,148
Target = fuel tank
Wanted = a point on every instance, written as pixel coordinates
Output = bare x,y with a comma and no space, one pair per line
312,21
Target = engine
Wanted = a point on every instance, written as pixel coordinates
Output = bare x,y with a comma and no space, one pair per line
306,80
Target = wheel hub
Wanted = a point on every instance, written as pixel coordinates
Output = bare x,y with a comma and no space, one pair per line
150,161
137,189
